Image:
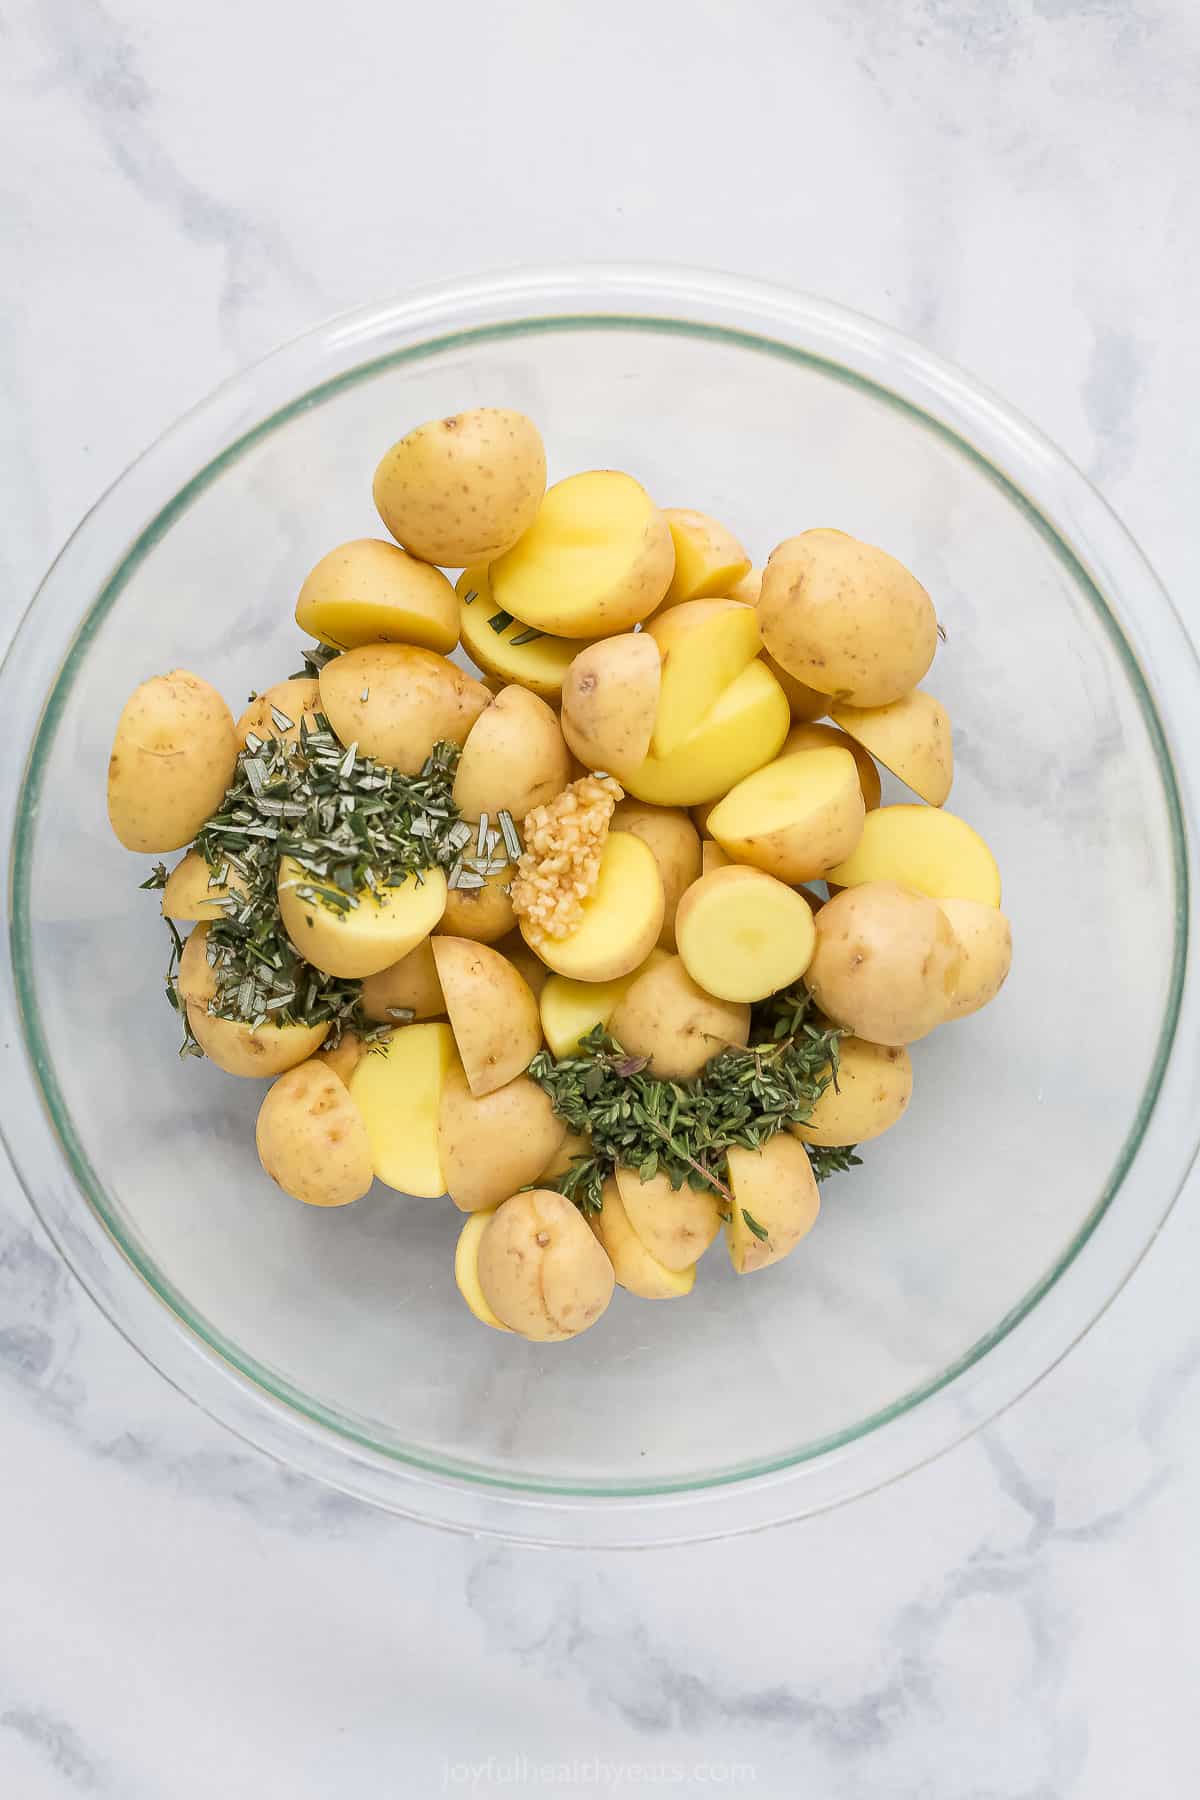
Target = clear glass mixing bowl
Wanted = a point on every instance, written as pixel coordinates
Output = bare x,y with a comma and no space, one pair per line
1047,1136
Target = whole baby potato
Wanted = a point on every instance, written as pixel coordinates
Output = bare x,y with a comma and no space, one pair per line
514,758
873,1089
541,1271
846,618
493,1144
172,759
293,700
674,843
311,1138
463,489
668,1017
237,1049
610,702
886,963
372,592
396,701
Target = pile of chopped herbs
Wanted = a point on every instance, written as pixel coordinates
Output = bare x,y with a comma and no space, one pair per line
683,1129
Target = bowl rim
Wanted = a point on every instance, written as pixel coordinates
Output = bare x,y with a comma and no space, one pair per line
139,508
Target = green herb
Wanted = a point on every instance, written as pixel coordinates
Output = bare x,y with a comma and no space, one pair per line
827,1161
684,1129
528,636
500,622
314,661
753,1225
473,595
157,877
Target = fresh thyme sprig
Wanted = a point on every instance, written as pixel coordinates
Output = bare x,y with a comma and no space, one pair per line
684,1129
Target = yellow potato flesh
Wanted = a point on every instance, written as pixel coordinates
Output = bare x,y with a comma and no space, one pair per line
460,490
911,737
811,736
874,1086
492,1145
708,558
774,1189
191,892
609,701
921,847
744,730
570,1009
398,1090
466,1269
539,666
292,700
704,645
311,1138
621,919
409,985
372,934
796,818
984,939
675,844
743,934
596,560
635,1268
677,1225
238,1050
493,1013
372,592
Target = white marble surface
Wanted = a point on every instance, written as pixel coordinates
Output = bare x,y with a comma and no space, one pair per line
1013,181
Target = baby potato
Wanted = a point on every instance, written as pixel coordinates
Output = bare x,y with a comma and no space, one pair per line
747,588
528,965
570,1009
796,818
827,737
596,560
239,1051
493,1014
712,857
541,1271
396,702
609,702
466,1269
635,1269
311,1138
775,1202
398,1090
911,737
664,1015
483,914
874,1087
704,646
806,703
574,1145
191,892
409,985
984,939
196,979
539,665
371,592
923,848
463,489
676,1224
172,759
708,558
846,618
886,963
743,935
621,921
674,843
744,730
514,758
372,934
293,700
490,1145
344,1057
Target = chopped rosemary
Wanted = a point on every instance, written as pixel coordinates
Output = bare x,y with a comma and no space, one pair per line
500,622
752,1224
528,636
683,1129
315,659
157,877
473,595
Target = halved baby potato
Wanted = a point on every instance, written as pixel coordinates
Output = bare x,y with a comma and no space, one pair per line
493,1013
924,848
409,985
311,1138
541,1271
466,1268
462,489
813,736
398,1090
363,938
704,645
372,592
712,857
911,737
344,1057
985,953
196,979
493,1144
237,1049
621,921
709,560
294,700
675,844
173,756
797,818
609,702
191,892
635,1268
514,758
775,1202
396,701
664,1015
886,964
570,1009
483,914
744,730
743,935
597,558
675,1224
873,1089
491,638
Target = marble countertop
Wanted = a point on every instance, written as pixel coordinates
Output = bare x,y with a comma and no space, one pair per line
1013,182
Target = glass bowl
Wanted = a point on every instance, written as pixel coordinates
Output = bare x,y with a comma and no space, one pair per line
1047,1136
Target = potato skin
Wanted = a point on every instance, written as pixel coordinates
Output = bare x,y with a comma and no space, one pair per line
311,1138
173,757
874,1087
812,736
372,592
492,1145
666,1016
778,1189
463,489
196,978
190,892
846,618
540,1269
886,963
634,1266
239,1051
911,737
295,699
345,1056
377,932
514,758
676,1224
493,1013
609,702
485,915
674,842
411,985
414,699
984,939
807,704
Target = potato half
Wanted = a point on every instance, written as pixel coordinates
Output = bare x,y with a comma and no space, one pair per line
813,736
709,560
775,1202
743,935
514,758
493,1013
538,664
172,759
493,1144
294,700
744,730
674,843
797,818
483,914
667,1017
311,1138
372,592
984,939
541,1270
634,1266
398,1090
409,985
466,1269
874,1087
924,848
570,1009
364,938
396,701
704,645
238,1050
191,892
886,963
621,919
462,489
676,1224
609,702
911,737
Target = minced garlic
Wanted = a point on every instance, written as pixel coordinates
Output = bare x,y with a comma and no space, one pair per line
561,863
